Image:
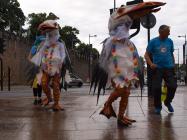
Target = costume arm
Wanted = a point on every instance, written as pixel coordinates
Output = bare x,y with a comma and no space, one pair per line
100,72
105,54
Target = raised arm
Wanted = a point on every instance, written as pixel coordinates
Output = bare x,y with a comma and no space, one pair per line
148,60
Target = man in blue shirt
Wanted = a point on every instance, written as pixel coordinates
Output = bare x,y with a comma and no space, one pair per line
161,48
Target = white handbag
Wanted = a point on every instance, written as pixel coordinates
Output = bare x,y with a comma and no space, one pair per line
37,59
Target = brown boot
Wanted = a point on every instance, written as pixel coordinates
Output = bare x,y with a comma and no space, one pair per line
56,93
46,101
108,110
57,107
131,120
46,89
123,121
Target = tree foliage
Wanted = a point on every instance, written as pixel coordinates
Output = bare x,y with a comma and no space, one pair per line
69,36
95,53
87,50
12,17
83,49
35,19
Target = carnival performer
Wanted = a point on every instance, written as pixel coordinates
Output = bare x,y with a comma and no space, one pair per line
36,84
37,89
50,58
119,57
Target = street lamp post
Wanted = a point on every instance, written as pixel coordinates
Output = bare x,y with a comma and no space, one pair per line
184,49
178,60
178,63
114,5
184,55
90,55
91,36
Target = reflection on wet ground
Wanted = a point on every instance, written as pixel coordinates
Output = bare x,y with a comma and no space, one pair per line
21,120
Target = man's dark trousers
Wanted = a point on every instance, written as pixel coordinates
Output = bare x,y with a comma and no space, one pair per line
168,75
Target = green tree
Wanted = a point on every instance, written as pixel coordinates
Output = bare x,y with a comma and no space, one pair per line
52,16
86,50
69,36
83,49
34,21
95,53
12,17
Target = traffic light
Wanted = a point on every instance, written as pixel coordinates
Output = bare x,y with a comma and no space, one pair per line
2,45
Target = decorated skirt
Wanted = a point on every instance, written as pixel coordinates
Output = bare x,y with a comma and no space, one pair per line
123,63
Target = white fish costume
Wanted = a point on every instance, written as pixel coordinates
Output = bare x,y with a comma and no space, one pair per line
50,58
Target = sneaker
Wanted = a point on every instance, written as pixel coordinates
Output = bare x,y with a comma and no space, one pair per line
158,110
170,108
35,102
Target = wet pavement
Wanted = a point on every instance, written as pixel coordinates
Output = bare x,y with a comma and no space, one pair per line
21,120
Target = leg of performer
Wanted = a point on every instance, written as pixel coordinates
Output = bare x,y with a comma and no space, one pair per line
39,93
56,92
108,109
46,89
123,120
35,96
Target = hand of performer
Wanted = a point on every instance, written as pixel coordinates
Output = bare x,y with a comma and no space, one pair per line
153,66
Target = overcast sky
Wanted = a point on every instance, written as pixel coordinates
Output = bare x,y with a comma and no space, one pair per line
91,17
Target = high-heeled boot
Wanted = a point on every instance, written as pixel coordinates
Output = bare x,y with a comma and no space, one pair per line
56,93
123,120
108,110
46,89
